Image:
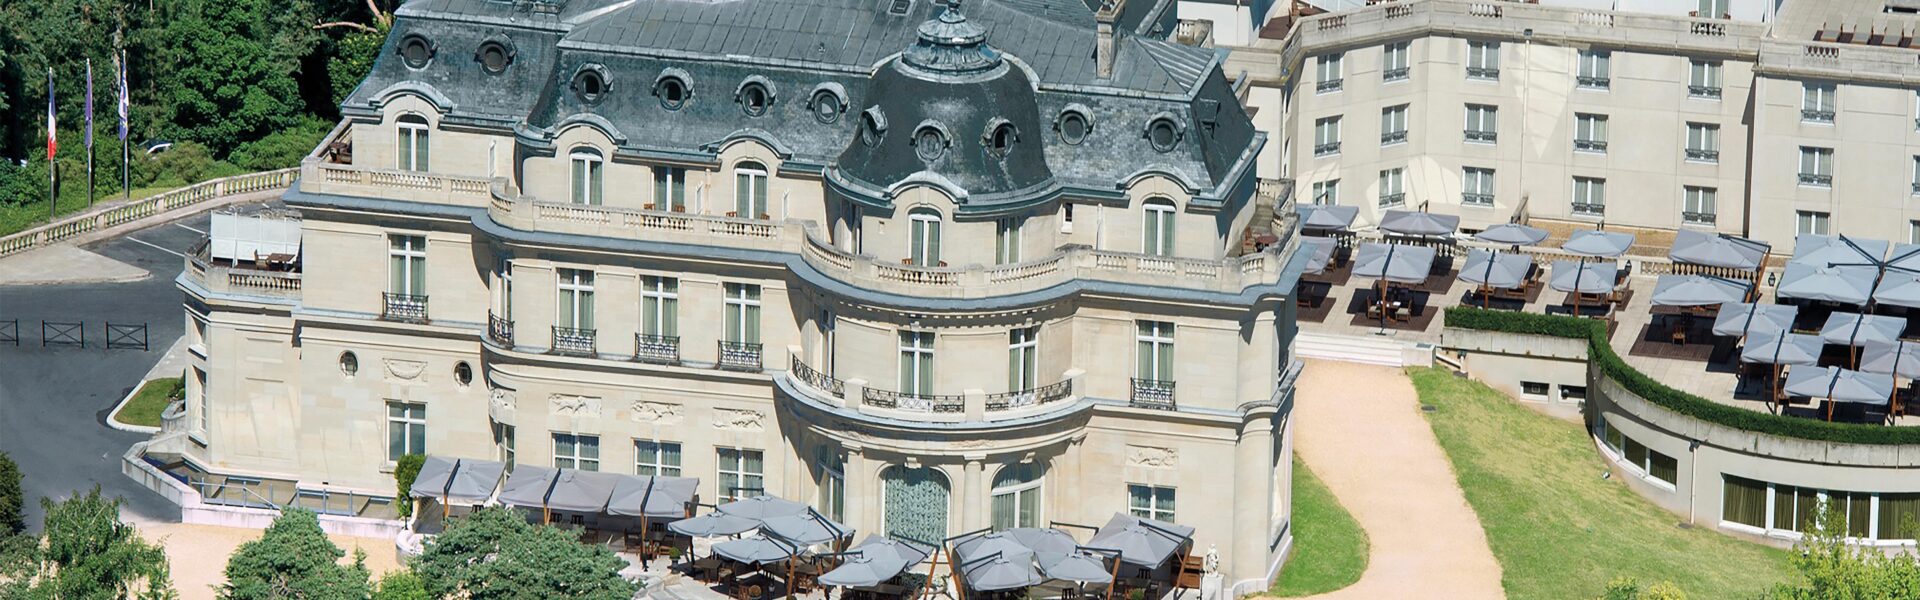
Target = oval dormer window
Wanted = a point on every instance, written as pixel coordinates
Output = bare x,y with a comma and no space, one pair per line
1163,133
494,57
672,91
1074,126
755,99
827,106
873,126
929,143
416,51
590,84
1000,138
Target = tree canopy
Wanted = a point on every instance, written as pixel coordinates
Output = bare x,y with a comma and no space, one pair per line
294,560
88,553
495,554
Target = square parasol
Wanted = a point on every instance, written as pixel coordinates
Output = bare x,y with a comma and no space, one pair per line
1394,262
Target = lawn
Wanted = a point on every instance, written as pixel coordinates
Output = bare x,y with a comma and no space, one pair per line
154,396
1558,529
1329,548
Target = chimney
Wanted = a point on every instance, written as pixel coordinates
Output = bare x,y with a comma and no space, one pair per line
1103,49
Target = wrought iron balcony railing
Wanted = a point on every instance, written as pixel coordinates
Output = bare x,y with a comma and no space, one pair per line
1326,149
909,401
1589,208
1590,145
1820,179
1152,393
1478,135
1476,199
1394,199
500,330
739,356
1393,137
1704,91
660,349
1327,85
1483,72
1396,74
1699,218
1055,392
1588,81
1816,116
1703,154
407,308
575,341
817,379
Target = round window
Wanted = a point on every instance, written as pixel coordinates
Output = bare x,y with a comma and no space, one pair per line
1163,134
463,373
1074,127
873,126
590,85
415,51
672,92
827,106
494,57
929,143
349,364
1000,140
754,99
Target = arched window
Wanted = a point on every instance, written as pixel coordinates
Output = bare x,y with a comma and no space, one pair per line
915,502
925,237
831,464
412,131
1016,497
750,190
1158,228
587,165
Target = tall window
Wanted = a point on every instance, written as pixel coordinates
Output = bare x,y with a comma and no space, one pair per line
1476,186
1006,241
200,400
412,142
575,310
1703,79
1150,502
659,306
1392,186
1393,124
1596,69
406,429
503,444
1817,102
1816,166
1154,350
1023,358
1158,228
1326,136
1326,193
587,164
832,465
1590,132
407,264
506,288
656,458
743,313
670,188
1016,497
1703,142
1702,205
916,363
1395,60
1328,67
1483,123
1713,9
924,239
749,190
1810,222
576,451
740,473
1483,60
1916,175
1589,196
1913,232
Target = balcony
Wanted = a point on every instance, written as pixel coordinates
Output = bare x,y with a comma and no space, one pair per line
572,341
1591,82
813,377
1393,137
934,407
1396,74
1487,73
240,278
1589,208
1031,397
1703,155
1816,116
1151,393
1327,85
1703,91
1699,218
1483,136
1816,179
1590,146
1327,149
1394,199
740,356
912,402
656,349
500,330
331,170
405,308
1476,199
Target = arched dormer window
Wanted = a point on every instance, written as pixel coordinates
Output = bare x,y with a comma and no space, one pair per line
924,239
1157,229
750,190
412,133
588,163
1016,497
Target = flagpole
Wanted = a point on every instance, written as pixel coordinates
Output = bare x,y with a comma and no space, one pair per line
53,180
89,133
126,153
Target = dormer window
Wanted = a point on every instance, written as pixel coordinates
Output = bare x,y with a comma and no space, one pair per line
590,83
673,91
827,104
1000,138
494,57
1073,125
873,126
1163,133
929,143
755,98
416,51
412,137
587,165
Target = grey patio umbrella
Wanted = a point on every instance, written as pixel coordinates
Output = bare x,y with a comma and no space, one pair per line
1393,262
999,571
1845,284
1319,252
876,560
656,497
760,508
1078,565
475,481
1407,222
1513,234
755,550
1598,244
1047,540
1143,542
528,486
1697,290
1821,250
582,491
713,525
1585,277
1840,385
1326,216
1899,358
1496,269
435,473
1741,319
978,545
1717,250
1898,288
1781,348
806,529
1853,329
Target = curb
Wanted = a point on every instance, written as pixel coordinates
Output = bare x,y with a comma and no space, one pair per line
113,418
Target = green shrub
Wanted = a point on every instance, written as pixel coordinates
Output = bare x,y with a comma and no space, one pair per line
401,585
12,520
405,471
281,149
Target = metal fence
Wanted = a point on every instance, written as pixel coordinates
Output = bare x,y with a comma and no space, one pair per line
73,334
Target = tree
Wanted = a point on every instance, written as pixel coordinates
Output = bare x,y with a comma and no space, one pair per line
232,68
13,520
401,585
294,560
495,554
89,554
405,471
1834,569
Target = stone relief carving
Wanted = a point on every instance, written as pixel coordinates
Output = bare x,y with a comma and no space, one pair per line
568,405
645,411
405,370
500,406
1153,457
728,418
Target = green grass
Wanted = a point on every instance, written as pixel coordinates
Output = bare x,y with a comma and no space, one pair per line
1329,548
154,396
1559,530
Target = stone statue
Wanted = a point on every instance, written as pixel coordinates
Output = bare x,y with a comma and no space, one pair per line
1212,561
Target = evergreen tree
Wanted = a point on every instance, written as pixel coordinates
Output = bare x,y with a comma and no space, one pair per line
495,554
294,560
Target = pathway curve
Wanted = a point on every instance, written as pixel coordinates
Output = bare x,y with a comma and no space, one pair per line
1359,427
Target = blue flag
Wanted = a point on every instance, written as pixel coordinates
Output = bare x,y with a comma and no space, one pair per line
89,104
123,98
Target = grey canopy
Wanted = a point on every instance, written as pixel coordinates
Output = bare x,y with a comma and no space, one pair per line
1782,348
1697,290
760,508
806,529
1319,252
1822,250
1854,329
1598,244
1585,277
1407,222
528,486
1900,358
582,491
1393,262
755,550
1001,571
1905,256
1743,318
1326,216
1898,288
1840,385
657,497
1078,565
713,525
465,480
434,476
1512,233
1717,250
1845,284
1143,542
984,544
1496,269
1043,540
876,560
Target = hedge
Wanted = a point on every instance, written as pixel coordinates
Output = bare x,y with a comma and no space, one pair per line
1601,353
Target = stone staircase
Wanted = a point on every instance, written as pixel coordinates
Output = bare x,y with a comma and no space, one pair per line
1365,349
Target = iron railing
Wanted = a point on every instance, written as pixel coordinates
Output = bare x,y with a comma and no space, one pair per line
740,356
1704,91
409,308
1151,393
1590,145
1327,85
1480,135
1393,199
1699,218
1476,199
1393,137
1703,154
1589,208
817,379
575,341
1396,74
1589,81
1054,392
500,330
1483,72
933,403
1816,179
661,349
1816,116
1326,149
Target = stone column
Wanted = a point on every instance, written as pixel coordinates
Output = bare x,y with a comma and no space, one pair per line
1252,500
863,490
973,492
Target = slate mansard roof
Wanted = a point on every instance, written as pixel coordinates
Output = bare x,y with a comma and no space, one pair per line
828,69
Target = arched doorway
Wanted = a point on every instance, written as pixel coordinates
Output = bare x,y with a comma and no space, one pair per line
916,503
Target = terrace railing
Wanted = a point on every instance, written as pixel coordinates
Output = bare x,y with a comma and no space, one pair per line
110,215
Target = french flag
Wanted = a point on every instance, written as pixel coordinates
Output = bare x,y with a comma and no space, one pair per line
52,145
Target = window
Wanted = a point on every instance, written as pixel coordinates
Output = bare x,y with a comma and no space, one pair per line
916,363
739,471
1816,102
755,98
407,265
1326,136
929,143
749,191
1000,140
1703,79
833,483
1590,133
349,363
743,313
1743,501
1483,60
587,165
1395,62
1533,388
1589,196
924,241
1006,241
413,147
1157,230
506,288
1896,511
1596,69
415,51
1016,497
1392,186
1393,125
200,396
1868,516
659,306
656,459
1154,356
1150,502
1482,123
1701,205
1916,175
406,429
576,451
463,373
503,444
1794,507
1074,126
1573,393
1654,464
1023,358
590,83
669,189
1913,232
1713,9
1810,222
1816,166
672,92
1328,67
1163,134
1326,193
1476,186
1703,142
575,309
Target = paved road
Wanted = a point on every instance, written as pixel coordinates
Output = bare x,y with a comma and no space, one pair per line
54,401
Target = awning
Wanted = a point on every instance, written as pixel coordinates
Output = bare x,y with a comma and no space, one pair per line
1143,542
1589,277
1319,252
1512,234
979,545
1898,288
1852,329
656,497
1781,348
1900,358
1326,216
806,529
755,550
582,491
760,508
528,486
1717,250
1001,571
434,476
1598,244
1840,385
1040,540
1697,290
1821,250
713,525
1393,262
876,560
1407,222
1079,566
1845,284
1744,319
1501,270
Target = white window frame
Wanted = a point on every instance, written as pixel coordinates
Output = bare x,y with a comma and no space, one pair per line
505,446
1326,136
1156,337
1698,201
1703,142
1396,61
1704,79
575,290
1913,232
670,189
588,176
833,488
750,191
743,477
1476,182
1811,222
1483,120
916,362
742,312
1818,102
1006,239
1158,226
1916,175
412,135
1816,166
655,465
1326,193
1019,492
1393,124
1483,60
1023,358
1330,74
1712,9
923,240
1595,69
1154,510
660,301
412,252
1393,190
577,460
410,425
1592,192
1590,133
